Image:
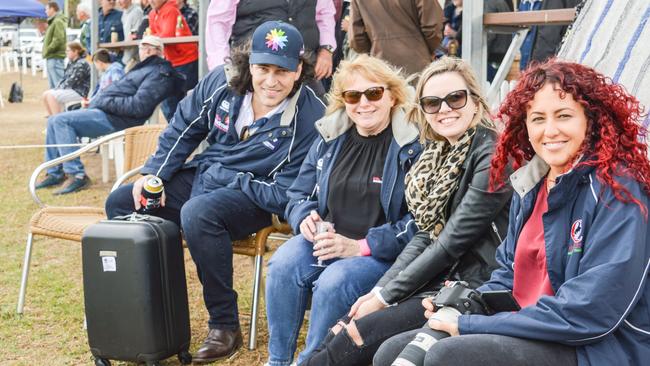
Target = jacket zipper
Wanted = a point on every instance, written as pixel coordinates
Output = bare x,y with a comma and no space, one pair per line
496,231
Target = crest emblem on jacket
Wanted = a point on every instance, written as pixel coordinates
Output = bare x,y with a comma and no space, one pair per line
221,123
576,237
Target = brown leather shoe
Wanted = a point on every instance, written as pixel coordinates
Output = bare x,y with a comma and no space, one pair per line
218,344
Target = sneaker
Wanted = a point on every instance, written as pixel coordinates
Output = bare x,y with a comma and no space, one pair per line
73,184
50,181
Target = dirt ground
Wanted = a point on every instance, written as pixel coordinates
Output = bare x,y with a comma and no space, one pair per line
51,329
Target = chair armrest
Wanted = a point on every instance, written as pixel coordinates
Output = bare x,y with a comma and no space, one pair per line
126,176
280,226
67,157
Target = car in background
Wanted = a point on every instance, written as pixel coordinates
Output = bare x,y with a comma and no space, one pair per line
7,32
27,42
25,39
73,34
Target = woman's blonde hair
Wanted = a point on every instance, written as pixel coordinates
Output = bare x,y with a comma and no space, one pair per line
372,69
441,66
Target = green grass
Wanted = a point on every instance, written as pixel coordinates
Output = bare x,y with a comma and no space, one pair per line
50,332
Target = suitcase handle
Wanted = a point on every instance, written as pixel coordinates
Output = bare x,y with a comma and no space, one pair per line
137,217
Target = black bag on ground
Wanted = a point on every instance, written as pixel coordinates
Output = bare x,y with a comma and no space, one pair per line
135,291
15,93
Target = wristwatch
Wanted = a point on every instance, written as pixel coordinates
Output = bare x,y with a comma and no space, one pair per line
327,48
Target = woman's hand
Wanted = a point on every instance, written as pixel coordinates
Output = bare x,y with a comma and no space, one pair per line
332,245
308,225
429,307
366,304
447,327
137,192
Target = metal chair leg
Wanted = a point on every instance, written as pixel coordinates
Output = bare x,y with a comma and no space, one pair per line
257,280
23,281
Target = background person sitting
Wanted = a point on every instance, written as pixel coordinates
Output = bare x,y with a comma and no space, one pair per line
578,232
353,177
126,103
461,222
109,71
75,84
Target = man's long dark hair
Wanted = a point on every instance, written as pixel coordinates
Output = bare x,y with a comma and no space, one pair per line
242,80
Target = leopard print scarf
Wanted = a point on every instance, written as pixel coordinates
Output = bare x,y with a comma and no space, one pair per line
433,179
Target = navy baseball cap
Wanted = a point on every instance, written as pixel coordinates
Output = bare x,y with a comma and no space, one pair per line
277,43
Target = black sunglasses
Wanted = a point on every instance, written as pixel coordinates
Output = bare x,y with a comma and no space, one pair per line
455,100
372,94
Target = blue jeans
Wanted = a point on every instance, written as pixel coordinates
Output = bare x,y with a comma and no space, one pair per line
210,222
289,282
67,128
191,73
54,71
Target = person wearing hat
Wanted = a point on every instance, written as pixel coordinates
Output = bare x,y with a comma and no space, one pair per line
125,103
257,117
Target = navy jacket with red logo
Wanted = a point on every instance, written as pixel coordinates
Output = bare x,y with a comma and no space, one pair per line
262,166
309,191
597,256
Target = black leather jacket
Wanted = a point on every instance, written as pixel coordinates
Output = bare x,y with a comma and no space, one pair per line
477,221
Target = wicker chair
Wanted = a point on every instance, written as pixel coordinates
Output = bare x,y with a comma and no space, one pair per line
70,222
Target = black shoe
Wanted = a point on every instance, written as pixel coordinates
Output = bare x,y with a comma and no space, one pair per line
73,184
50,181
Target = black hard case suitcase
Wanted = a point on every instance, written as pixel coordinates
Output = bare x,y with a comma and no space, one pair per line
135,291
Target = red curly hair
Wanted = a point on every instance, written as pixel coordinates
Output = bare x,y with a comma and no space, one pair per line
615,140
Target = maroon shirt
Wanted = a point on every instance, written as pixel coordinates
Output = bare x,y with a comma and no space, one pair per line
530,275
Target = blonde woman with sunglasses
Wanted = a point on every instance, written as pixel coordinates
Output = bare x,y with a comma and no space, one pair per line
460,223
353,177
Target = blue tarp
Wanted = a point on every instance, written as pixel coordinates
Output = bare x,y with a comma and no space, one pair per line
14,11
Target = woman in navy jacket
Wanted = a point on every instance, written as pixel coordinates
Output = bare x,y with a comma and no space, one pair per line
577,252
353,176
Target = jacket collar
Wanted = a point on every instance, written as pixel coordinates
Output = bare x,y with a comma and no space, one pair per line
290,110
336,124
526,178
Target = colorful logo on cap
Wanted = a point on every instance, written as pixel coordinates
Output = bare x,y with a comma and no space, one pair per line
276,39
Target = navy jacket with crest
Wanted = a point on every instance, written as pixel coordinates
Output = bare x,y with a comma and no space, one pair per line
262,166
597,257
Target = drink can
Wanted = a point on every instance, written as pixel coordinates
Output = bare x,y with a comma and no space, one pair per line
151,194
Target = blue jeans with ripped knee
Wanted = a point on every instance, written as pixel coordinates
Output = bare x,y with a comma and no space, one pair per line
291,280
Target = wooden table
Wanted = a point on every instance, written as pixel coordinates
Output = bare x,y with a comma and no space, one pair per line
527,18
135,43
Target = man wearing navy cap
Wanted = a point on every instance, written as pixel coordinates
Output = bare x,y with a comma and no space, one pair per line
258,118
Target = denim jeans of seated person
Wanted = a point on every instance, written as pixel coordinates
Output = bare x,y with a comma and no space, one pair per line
291,280
66,128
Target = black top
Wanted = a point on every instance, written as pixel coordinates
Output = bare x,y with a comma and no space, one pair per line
353,200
